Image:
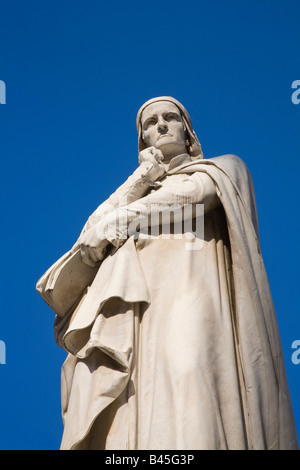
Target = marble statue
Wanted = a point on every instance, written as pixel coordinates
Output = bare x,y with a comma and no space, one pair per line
172,338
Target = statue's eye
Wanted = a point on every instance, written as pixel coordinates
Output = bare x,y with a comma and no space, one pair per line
170,116
150,122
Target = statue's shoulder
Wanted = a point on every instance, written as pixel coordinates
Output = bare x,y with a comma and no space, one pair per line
228,159
230,164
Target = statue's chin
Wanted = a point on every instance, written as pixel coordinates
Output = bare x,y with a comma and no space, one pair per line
169,149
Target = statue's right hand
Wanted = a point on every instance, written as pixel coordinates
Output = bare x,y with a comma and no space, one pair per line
151,154
150,160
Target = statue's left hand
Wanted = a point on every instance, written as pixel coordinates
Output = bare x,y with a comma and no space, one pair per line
93,246
110,230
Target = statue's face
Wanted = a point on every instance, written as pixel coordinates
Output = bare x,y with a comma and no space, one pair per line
162,127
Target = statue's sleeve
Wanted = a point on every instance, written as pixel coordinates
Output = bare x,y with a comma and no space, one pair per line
64,283
144,178
193,189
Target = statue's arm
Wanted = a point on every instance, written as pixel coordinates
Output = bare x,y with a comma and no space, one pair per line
64,282
195,188
114,228
144,178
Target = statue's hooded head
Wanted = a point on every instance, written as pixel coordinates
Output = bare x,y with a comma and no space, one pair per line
193,144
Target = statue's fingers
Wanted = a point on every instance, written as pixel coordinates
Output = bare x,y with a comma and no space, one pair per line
159,155
85,256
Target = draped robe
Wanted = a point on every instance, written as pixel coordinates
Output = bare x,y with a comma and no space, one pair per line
169,347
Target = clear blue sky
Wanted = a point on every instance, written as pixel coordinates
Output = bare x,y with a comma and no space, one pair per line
76,73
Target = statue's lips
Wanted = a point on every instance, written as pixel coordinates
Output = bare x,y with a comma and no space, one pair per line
165,135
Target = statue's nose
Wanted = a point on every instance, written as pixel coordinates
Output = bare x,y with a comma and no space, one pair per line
162,125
